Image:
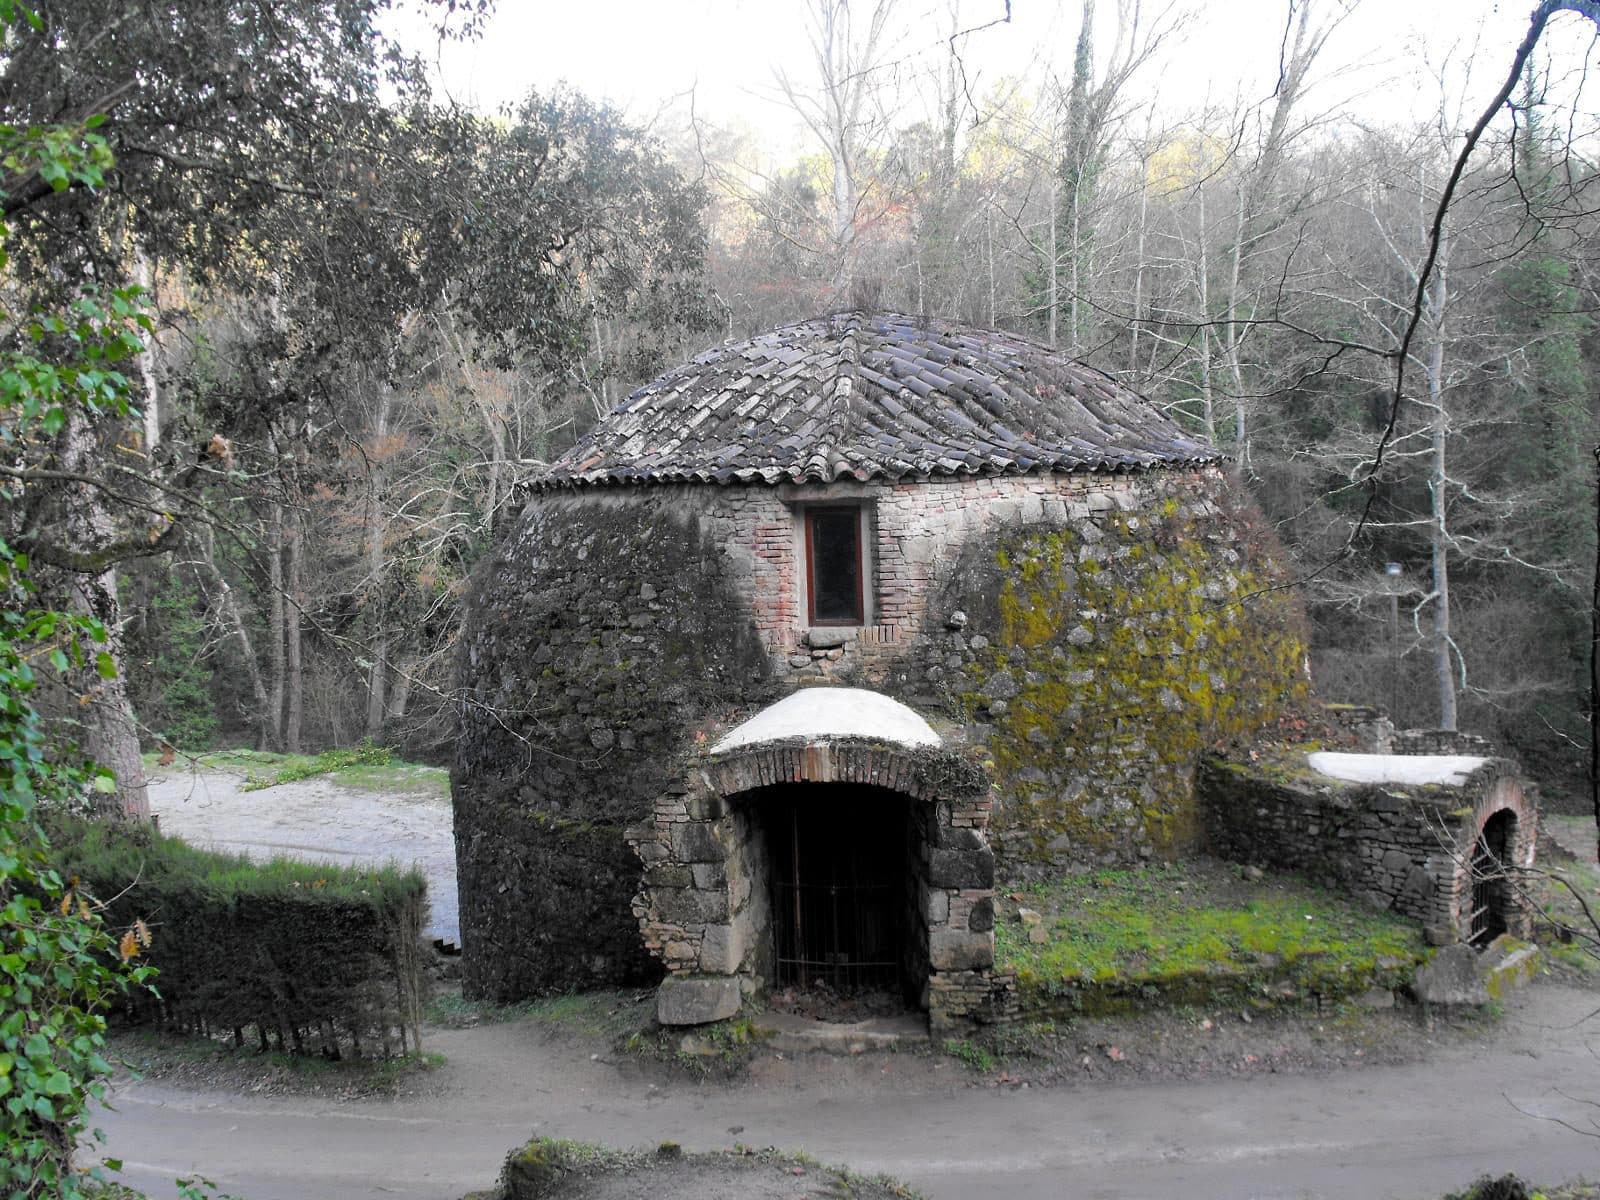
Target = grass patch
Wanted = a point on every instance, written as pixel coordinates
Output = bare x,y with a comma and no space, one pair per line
296,767
1509,1187
1567,895
365,768
979,1058
552,1166
720,1049
1197,933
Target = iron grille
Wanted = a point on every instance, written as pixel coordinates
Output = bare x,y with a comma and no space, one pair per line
837,902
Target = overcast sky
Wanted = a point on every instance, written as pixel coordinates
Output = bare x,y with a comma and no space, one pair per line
641,54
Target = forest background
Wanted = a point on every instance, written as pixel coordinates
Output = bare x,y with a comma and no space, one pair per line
374,309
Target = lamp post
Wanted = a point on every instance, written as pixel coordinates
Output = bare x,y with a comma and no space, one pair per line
1392,571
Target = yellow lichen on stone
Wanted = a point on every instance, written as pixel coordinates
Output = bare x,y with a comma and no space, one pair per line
1127,667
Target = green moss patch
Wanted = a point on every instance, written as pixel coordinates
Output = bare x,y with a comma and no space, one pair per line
1110,664
550,1167
1196,933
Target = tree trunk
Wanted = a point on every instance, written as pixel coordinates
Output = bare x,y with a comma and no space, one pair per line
1208,412
377,529
400,693
272,728
100,705
1594,665
1052,300
1139,262
221,596
1230,345
147,366
294,669
1438,479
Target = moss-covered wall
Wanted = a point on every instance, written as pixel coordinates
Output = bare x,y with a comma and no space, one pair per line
1097,632
1102,656
601,633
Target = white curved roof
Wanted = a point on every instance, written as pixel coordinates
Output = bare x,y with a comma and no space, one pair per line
1449,769
819,713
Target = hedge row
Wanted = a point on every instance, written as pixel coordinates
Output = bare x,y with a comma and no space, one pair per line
316,959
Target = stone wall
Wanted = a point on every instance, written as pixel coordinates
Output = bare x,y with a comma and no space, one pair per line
1397,847
1441,741
599,633
1091,634
1100,657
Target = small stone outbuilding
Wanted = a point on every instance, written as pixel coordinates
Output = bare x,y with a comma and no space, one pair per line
1442,837
1015,602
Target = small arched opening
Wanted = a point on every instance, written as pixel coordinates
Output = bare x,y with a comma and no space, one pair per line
829,840
1494,898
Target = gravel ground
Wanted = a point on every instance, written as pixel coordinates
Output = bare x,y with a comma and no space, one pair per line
318,820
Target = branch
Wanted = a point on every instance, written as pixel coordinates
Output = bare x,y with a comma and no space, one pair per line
1540,18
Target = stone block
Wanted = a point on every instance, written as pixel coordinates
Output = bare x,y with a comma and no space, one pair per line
960,950
668,875
1452,978
721,949
824,638
958,837
694,842
709,877
1000,686
696,999
689,906
961,868
707,807
1508,963
981,919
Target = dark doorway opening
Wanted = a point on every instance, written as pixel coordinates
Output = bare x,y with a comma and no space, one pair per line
1491,881
841,888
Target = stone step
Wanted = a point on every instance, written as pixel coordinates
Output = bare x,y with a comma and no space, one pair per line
793,1034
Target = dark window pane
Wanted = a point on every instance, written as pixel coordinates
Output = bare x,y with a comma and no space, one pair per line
835,566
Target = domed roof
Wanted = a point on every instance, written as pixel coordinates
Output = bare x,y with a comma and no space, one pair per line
865,396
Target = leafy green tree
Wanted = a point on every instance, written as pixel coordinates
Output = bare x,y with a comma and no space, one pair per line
59,965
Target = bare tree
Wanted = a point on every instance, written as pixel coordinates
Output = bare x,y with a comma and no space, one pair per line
839,110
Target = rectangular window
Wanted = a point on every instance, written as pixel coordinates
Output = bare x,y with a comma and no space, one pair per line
834,567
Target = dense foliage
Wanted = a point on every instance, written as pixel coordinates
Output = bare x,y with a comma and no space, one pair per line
301,956
60,963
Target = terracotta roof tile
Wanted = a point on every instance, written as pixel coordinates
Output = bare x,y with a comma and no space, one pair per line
865,396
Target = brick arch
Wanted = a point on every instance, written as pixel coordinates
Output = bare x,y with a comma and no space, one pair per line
1503,792
1506,794
889,767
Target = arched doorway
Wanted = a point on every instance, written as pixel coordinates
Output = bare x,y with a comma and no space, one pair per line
842,884
837,833
1493,888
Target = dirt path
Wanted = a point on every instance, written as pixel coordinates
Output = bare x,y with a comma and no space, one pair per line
1403,1131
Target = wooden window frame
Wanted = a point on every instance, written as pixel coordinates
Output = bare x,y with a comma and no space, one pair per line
859,618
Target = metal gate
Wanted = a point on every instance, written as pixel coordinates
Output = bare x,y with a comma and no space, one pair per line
838,894
1486,920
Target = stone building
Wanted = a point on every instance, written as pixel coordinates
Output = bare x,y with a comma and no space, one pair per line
813,636
1426,823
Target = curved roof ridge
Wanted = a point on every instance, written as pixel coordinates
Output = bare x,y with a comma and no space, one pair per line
873,395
